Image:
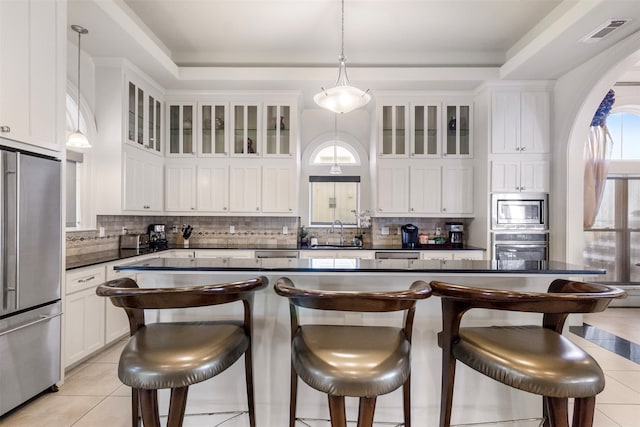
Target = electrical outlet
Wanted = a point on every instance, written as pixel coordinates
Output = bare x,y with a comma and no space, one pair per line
384,231
285,229
101,232
232,229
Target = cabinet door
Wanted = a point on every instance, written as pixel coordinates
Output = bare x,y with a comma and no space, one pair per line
505,175
212,135
152,184
278,128
457,189
534,176
245,122
181,122
135,114
213,188
180,188
393,121
154,124
142,181
279,187
458,139
505,122
84,325
28,71
534,132
425,130
393,187
245,187
426,188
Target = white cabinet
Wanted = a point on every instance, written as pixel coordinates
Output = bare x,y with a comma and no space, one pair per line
213,134
245,187
426,129
224,253
245,127
444,255
457,125
181,122
279,129
468,255
516,175
180,185
425,188
212,183
520,122
393,123
116,322
84,314
279,187
346,254
392,187
143,181
31,70
144,117
457,189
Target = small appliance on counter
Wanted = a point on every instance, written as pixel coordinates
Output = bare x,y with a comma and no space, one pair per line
409,236
134,241
157,237
456,233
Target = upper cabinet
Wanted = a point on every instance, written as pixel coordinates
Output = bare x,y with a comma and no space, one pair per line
425,128
144,117
393,122
180,126
520,122
212,133
457,135
32,77
278,131
245,126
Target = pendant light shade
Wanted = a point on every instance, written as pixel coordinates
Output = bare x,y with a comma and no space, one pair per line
78,139
342,98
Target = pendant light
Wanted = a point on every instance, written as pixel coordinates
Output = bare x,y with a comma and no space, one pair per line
78,139
335,168
342,98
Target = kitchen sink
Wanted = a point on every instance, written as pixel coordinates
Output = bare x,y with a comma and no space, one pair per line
335,247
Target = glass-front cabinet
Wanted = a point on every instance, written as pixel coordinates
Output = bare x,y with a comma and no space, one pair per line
144,118
425,127
213,130
245,123
457,122
278,133
393,121
182,120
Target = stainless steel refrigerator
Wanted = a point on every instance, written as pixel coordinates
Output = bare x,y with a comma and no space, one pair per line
30,267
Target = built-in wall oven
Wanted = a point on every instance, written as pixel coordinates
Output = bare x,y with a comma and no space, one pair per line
520,246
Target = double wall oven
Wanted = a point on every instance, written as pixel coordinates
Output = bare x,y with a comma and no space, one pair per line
519,226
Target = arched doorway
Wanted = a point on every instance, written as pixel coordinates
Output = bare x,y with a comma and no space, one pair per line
577,96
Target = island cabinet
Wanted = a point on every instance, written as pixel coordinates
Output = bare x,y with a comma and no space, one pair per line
32,71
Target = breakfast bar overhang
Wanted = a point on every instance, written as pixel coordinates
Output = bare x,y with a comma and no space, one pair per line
477,399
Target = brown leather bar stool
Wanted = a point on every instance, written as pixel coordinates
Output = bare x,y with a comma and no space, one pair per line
175,355
536,359
356,361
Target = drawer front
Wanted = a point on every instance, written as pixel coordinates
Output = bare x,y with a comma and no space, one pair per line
84,278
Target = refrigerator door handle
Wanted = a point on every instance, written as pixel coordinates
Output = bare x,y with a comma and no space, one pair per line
34,322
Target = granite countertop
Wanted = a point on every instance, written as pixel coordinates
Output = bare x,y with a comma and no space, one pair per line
86,260
355,265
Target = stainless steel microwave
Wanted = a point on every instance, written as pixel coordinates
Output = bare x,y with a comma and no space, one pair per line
528,211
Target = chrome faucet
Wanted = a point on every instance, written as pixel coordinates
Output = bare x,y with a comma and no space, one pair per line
337,221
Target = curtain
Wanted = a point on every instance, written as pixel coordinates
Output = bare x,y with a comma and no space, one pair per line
596,154
597,150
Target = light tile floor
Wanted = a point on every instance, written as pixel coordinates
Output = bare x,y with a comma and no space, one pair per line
92,395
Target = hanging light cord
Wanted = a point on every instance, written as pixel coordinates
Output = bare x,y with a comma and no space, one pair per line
342,46
335,139
79,37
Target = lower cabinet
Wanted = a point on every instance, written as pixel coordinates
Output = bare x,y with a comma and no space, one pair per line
84,314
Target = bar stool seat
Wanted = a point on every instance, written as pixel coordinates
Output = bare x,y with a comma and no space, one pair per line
180,354
530,358
323,357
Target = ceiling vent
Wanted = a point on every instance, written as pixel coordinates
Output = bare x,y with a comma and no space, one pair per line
603,30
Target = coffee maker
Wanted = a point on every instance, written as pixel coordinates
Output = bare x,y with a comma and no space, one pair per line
409,236
157,237
456,233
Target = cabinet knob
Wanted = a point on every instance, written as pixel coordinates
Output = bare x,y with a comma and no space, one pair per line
257,208
224,208
411,209
5,129
444,209
193,209
523,148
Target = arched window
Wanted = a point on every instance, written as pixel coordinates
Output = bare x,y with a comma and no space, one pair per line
345,154
624,125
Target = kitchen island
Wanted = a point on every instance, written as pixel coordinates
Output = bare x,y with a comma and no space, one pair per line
476,399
